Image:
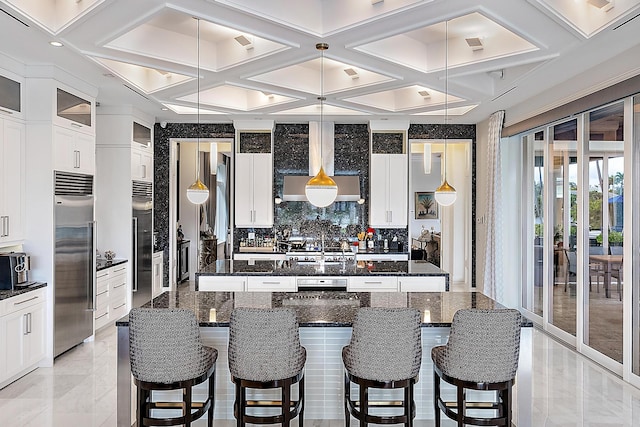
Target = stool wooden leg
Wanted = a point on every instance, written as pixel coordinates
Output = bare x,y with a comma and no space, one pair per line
140,407
364,405
285,403
186,410
212,396
347,397
507,401
436,398
461,406
301,398
408,402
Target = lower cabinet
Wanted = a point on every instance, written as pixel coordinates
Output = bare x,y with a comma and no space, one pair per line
111,295
422,284
373,284
222,283
271,284
157,274
22,335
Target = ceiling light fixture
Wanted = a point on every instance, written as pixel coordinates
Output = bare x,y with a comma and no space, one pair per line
351,73
198,193
603,5
245,41
55,43
445,194
426,157
475,43
321,190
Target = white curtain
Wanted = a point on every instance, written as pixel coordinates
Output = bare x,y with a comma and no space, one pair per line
493,255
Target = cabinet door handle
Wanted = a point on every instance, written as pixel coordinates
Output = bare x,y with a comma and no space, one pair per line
390,216
372,283
25,328
4,111
78,125
7,227
27,300
144,171
29,323
270,283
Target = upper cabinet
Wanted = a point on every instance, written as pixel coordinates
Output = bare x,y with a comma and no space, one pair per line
254,174
141,153
12,182
11,102
73,151
74,111
388,178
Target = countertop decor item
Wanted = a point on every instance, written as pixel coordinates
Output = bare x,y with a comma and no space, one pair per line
198,193
109,255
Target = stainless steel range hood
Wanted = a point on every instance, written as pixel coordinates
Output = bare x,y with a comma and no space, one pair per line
294,185
348,188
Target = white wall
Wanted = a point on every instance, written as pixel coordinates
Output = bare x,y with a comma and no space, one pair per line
419,181
482,132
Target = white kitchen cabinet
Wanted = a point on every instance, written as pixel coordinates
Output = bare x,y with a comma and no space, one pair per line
422,284
141,164
271,284
222,283
388,207
111,295
22,334
74,110
254,190
158,274
73,151
101,315
373,284
117,292
11,101
12,182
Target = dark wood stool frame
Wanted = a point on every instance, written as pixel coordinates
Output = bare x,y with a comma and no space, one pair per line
145,405
503,405
360,409
290,408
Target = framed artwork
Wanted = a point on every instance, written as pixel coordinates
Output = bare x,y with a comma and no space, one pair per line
426,206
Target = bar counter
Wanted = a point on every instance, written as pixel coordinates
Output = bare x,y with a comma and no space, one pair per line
325,319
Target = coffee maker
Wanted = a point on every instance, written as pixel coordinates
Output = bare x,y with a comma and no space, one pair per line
14,270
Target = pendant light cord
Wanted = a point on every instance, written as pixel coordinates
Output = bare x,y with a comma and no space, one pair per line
198,101
446,91
322,47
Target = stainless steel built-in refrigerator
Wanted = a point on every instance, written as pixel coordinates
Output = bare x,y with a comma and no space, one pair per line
74,260
142,249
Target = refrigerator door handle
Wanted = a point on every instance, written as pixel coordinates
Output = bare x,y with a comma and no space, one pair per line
91,274
135,254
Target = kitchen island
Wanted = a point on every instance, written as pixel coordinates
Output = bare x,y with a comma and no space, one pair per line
243,275
325,319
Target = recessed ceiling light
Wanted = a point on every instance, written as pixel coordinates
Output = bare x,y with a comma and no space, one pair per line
351,73
164,109
55,43
246,41
603,5
475,43
424,94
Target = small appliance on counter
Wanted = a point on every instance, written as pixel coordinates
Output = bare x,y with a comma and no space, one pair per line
14,270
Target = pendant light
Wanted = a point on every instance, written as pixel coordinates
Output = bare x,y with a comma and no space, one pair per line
198,193
321,190
445,194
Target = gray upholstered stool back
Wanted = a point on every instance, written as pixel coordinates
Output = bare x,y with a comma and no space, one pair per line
264,344
165,346
484,346
385,344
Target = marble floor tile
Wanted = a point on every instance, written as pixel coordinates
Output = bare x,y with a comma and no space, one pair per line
80,390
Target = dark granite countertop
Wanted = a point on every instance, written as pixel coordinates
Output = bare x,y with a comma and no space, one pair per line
293,268
102,263
9,294
322,308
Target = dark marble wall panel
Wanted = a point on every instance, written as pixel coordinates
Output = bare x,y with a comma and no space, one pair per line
162,149
387,143
291,157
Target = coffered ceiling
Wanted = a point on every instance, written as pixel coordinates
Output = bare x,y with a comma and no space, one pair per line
386,58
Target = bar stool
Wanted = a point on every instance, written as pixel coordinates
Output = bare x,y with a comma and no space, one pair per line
481,354
385,352
167,354
265,353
